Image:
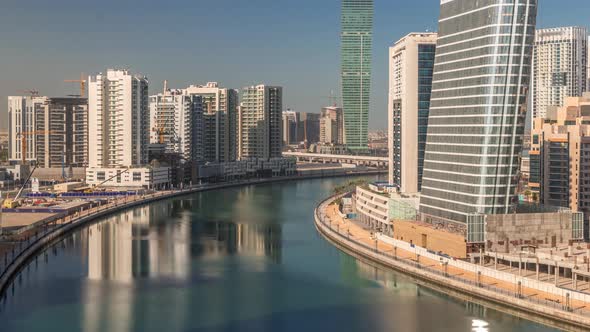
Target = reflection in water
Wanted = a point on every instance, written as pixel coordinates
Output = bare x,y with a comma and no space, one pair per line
238,259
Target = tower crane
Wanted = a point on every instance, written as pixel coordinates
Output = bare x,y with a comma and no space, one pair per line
23,136
82,83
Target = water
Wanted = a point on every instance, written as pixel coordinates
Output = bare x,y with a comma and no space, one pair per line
243,259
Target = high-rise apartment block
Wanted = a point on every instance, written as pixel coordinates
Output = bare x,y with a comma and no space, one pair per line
560,65
177,122
477,111
411,62
332,125
560,155
118,119
260,122
54,130
356,56
220,120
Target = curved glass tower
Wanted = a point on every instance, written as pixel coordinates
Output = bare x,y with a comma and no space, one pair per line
478,105
356,48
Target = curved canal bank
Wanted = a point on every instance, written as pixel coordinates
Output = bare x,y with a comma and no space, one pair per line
239,259
435,274
44,239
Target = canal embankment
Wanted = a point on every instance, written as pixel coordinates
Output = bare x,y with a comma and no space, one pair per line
534,300
24,249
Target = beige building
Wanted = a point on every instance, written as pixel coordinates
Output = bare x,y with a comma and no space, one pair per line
560,155
411,61
332,125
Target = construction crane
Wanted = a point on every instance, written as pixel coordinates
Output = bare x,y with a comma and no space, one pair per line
333,99
33,93
23,136
13,203
82,83
160,128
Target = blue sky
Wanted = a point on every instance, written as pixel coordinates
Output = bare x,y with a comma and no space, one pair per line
293,43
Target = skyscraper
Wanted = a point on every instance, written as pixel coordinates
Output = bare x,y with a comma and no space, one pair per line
118,119
411,61
260,122
478,104
560,67
356,48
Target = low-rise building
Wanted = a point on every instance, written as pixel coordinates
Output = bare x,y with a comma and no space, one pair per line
249,168
144,177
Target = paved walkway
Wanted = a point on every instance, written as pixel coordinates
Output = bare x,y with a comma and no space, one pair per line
360,234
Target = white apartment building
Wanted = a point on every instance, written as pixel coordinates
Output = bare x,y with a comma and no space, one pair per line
118,119
220,120
411,61
21,120
260,122
560,65
176,120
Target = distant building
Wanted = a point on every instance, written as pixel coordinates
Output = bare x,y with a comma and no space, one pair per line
290,123
220,121
55,130
559,67
560,155
356,55
411,62
176,120
260,122
118,119
21,121
331,125
308,127
4,142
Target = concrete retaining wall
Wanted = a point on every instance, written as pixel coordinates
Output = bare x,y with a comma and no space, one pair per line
39,244
581,323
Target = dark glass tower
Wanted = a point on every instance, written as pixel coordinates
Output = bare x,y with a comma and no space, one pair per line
477,112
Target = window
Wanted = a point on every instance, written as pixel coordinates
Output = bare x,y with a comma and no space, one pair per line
136,176
100,176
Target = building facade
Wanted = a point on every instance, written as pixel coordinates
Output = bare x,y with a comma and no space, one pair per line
221,120
411,62
560,156
118,119
260,122
356,54
290,128
560,64
176,120
55,131
332,126
477,111
21,121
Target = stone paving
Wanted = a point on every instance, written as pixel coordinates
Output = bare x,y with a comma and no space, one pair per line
355,231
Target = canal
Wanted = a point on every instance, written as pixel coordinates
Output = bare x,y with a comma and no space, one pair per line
241,259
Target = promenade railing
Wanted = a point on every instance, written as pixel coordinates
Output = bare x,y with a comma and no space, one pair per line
395,260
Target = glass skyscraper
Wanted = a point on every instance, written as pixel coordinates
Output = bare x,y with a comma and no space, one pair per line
356,48
478,105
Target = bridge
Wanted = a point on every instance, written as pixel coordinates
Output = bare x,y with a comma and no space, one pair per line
378,162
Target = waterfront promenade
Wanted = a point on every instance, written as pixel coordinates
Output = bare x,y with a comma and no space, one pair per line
17,249
542,301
